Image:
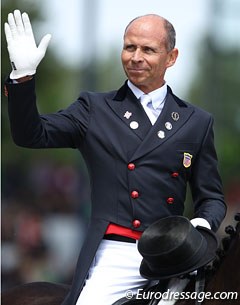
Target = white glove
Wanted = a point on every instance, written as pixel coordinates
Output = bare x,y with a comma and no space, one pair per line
23,52
200,222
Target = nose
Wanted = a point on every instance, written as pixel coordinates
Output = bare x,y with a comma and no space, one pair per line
137,56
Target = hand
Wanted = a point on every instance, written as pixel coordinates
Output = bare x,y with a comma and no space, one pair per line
23,52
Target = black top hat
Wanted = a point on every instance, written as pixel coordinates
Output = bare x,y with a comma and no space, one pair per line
172,246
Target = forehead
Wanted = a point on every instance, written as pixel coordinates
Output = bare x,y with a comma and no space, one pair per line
145,30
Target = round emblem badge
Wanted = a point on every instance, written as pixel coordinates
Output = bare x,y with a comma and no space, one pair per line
168,125
161,134
134,125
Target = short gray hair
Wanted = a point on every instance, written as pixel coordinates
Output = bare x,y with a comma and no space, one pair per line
171,35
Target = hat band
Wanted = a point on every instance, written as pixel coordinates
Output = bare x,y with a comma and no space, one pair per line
187,264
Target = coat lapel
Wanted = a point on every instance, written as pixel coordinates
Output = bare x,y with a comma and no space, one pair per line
128,108
174,115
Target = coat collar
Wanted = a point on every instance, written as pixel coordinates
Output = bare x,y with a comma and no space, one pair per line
174,115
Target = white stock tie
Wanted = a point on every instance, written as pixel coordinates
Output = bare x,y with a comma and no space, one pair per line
146,102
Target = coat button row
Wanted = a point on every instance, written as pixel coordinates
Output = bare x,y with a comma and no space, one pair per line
131,166
134,194
136,223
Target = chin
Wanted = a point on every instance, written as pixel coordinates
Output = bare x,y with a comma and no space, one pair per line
136,81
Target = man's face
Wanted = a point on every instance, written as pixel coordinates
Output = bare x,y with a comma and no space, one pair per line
144,56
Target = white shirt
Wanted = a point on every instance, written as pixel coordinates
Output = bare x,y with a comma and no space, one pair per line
158,97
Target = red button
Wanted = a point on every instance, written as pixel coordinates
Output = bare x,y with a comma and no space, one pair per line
134,194
136,223
170,200
175,175
131,166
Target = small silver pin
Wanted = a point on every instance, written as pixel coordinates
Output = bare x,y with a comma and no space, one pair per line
175,116
168,125
161,134
134,125
127,115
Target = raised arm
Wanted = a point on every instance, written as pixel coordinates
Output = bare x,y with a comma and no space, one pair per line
65,128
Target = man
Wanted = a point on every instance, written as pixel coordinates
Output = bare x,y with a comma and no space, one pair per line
141,143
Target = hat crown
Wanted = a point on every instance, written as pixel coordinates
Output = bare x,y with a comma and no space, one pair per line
171,233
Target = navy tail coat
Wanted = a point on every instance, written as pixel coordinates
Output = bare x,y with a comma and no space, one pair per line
112,130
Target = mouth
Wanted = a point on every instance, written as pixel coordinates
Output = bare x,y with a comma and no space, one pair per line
136,70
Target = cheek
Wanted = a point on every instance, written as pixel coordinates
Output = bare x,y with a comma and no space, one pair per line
155,63
160,68
125,58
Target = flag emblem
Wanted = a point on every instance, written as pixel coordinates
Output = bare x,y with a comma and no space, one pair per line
187,160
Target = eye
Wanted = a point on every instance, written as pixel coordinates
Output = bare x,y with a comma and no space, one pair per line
129,47
148,50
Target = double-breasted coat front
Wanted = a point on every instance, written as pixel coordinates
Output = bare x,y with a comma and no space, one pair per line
138,172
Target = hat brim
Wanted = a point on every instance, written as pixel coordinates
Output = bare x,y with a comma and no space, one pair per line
212,245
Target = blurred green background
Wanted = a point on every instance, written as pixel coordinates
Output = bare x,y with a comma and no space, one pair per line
45,193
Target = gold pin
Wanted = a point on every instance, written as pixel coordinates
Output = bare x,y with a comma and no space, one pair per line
175,116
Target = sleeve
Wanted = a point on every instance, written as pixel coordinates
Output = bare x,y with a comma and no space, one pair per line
63,129
205,183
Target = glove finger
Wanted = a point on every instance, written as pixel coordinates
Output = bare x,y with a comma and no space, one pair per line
27,25
19,22
44,44
8,33
12,25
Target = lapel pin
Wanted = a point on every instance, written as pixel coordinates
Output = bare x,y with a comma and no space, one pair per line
127,115
134,125
175,116
161,134
168,125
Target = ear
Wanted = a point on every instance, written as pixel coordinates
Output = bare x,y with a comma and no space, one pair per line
172,57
